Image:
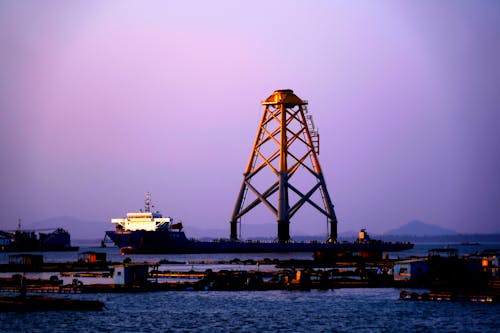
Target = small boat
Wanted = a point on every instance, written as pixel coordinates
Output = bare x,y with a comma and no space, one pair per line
466,243
42,303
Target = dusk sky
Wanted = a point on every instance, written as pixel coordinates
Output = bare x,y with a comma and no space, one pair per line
102,101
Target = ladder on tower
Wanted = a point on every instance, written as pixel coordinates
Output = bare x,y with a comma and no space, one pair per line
312,129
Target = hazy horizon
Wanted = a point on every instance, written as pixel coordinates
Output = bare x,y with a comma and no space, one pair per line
101,102
86,229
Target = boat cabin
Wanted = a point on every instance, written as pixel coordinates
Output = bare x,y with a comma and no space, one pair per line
90,257
130,274
414,270
147,221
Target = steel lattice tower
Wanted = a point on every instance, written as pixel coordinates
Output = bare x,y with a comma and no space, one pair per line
286,123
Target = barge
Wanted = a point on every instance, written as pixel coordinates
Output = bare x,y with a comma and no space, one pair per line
149,231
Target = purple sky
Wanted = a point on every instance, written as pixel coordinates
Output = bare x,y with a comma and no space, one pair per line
103,101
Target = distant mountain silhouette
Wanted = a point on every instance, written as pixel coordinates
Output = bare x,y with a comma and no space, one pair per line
248,231
87,229
198,233
78,229
419,228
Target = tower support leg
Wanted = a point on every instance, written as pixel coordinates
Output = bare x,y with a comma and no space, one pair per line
283,207
283,231
234,230
333,230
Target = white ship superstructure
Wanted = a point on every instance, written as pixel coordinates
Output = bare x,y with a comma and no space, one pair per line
144,220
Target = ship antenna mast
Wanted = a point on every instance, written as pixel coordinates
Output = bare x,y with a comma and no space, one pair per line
147,203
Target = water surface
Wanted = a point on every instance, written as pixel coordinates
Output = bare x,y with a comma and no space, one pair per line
342,310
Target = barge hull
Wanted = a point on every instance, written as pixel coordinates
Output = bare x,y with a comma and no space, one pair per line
168,242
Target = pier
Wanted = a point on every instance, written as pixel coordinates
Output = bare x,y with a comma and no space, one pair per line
473,278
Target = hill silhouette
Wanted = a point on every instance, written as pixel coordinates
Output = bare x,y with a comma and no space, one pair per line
419,228
78,228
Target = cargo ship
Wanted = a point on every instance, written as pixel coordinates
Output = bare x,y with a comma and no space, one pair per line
30,241
148,231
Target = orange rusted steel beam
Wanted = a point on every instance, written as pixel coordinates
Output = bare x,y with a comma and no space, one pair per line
286,111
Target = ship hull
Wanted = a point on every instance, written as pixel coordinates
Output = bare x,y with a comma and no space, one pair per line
176,242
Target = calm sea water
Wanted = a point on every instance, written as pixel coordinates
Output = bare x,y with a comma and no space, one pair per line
340,310
114,255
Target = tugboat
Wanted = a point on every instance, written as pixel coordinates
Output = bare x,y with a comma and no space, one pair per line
148,231
363,247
